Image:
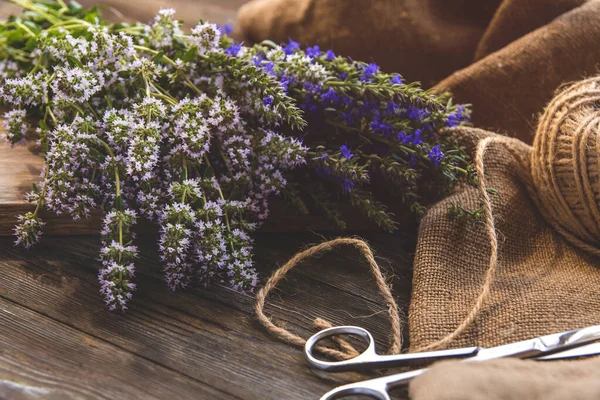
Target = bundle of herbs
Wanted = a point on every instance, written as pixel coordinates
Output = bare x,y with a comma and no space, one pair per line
197,133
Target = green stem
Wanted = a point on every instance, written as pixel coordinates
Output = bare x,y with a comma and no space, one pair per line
220,195
31,7
26,29
155,52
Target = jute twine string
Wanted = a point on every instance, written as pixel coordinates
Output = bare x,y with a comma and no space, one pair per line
561,172
346,349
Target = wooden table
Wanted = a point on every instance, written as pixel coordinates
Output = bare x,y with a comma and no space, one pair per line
58,341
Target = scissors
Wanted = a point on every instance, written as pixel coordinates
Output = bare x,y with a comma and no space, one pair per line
575,343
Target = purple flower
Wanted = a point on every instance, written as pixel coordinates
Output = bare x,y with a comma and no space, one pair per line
313,52
117,259
330,96
268,68
369,71
291,47
347,184
258,59
416,138
396,80
435,155
456,118
330,55
234,49
15,126
29,230
349,117
267,101
285,82
416,113
381,127
346,152
226,29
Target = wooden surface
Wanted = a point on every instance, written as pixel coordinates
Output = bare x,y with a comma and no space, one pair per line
58,341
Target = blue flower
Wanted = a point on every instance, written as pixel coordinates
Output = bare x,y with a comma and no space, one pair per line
396,80
416,138
381,127
330,96
346,152
258,59
343,76
268,67
309,107
435,155
285,82
416,113
391,107
234,49
313,52
348,117
226,29
402,137
291,47
369,71
456,118
267,101
347,184
330,55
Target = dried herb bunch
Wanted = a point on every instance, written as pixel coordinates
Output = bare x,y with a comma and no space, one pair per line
197,133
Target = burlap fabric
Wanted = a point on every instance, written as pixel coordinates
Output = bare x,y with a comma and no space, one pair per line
505,57
542,283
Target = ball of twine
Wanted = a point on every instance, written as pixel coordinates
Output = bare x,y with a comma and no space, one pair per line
565,164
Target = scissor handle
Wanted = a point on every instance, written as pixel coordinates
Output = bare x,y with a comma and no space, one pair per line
343,365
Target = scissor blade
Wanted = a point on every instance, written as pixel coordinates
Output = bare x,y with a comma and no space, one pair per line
587,350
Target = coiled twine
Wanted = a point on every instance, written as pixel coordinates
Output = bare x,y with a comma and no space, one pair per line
565,164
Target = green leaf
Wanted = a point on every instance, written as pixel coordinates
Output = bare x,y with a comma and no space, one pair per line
43,125
158,58
36,189
96,155
235,193
74,6
35,28
268,43
191,55
73,62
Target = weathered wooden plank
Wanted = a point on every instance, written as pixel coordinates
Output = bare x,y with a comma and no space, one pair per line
208,335
44,358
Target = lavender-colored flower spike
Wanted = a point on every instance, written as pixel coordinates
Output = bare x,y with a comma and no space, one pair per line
29,230
117,256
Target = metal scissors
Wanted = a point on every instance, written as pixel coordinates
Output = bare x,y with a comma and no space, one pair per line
575,343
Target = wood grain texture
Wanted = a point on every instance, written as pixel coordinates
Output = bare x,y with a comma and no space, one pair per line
58,340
